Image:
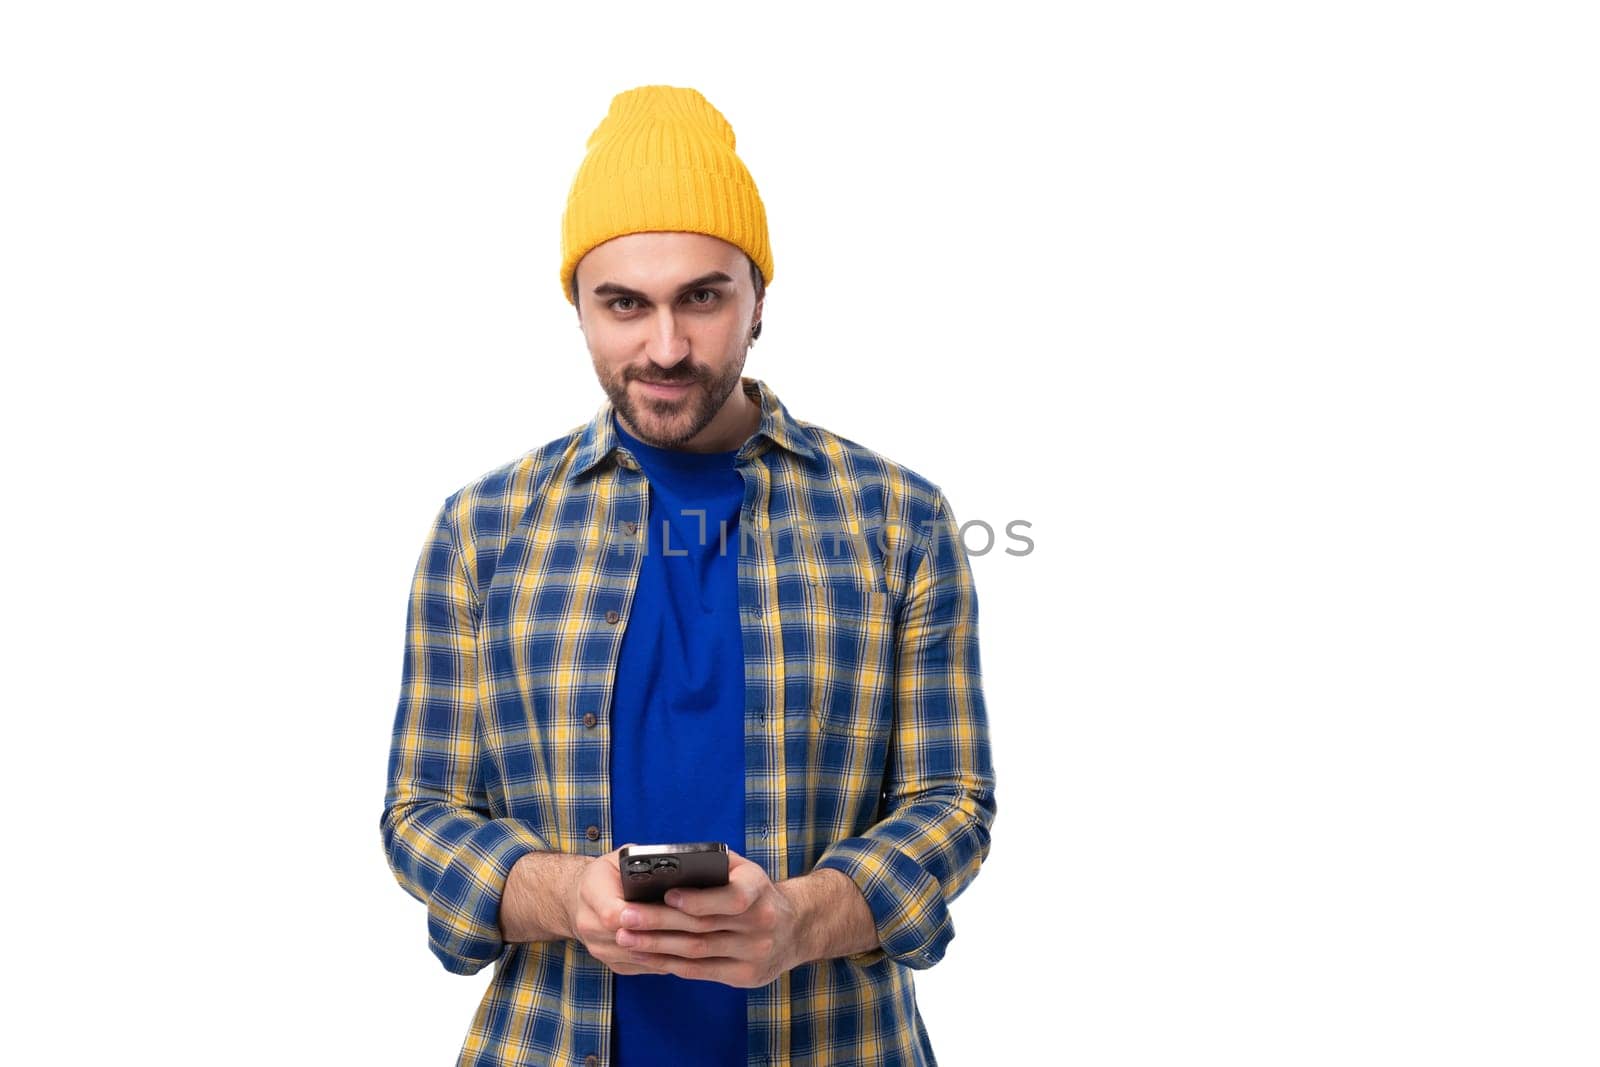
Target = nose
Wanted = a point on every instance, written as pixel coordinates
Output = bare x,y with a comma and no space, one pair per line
667,345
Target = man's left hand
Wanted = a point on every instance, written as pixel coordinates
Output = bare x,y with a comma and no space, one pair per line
743,934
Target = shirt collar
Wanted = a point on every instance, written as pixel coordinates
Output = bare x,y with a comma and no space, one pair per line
599,438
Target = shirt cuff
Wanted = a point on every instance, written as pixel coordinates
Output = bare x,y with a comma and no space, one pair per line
907,903
464,907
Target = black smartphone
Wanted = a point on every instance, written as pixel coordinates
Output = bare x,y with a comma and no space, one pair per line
648,871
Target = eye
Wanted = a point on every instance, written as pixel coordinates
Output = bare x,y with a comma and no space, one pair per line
711,296
614,303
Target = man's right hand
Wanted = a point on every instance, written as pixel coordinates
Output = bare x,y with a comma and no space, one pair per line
555,895
595,914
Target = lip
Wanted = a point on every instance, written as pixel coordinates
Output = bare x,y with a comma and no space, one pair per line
658,389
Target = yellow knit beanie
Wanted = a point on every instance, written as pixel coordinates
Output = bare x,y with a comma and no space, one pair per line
662,159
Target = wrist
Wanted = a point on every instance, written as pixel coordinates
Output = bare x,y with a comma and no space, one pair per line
803,919
832,916
537,902
565,873
571,882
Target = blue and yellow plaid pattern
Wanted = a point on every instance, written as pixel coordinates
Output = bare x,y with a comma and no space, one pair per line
866,736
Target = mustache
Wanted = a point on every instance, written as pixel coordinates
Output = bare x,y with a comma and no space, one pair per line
676,379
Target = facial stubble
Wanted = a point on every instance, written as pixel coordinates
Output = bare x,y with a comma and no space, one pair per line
647,417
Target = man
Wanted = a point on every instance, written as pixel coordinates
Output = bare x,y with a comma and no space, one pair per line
693,618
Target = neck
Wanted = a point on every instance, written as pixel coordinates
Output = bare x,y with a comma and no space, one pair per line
733,425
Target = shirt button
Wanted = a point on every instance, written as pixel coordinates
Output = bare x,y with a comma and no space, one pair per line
765,829
592,833
612,617
589,720
629,528
591,1060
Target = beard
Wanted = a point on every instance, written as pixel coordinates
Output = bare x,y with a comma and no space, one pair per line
671,423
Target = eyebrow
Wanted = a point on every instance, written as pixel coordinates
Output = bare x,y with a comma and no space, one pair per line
613,289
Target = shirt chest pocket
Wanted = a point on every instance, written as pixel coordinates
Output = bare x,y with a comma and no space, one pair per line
848,669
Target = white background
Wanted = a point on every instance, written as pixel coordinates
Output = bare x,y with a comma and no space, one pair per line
1276,321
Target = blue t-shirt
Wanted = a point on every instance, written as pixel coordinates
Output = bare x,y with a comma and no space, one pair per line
677,732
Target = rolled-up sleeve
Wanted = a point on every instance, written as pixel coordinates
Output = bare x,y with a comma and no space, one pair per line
439,834
939,800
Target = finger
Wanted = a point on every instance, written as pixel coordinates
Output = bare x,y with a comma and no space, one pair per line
732,972
602,890
739,867
741,946
627,965
642,916
724,901
746,882
605,905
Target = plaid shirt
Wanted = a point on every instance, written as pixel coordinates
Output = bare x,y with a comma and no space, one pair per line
866,736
